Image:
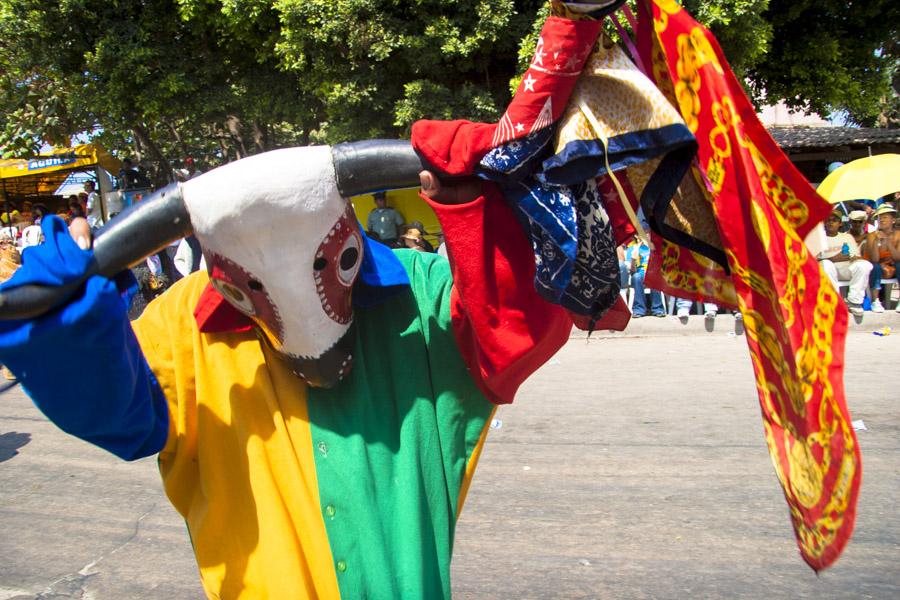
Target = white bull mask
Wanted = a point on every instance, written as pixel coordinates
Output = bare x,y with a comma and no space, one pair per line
284,248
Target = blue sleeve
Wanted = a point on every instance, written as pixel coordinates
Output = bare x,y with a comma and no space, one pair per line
81,364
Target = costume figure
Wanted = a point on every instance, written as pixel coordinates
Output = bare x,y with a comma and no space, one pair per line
291,490
318,402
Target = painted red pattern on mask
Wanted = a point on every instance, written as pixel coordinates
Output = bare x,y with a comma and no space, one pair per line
246,293
334,282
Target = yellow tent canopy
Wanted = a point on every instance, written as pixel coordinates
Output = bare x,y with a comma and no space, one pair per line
43,174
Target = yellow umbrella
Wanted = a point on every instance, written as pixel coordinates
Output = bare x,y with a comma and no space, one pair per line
867,178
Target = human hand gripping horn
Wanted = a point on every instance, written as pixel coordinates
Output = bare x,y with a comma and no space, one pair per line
162,218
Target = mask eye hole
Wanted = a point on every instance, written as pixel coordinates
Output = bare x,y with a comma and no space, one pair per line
349,260
255,285
234,295
320,263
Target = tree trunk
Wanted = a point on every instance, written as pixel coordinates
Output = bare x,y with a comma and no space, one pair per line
185,152
260,136
233,124
164,172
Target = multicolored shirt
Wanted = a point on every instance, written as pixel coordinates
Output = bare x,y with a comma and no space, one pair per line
354,492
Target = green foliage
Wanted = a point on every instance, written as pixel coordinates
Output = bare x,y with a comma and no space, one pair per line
740,26
831,54
375,66
220,79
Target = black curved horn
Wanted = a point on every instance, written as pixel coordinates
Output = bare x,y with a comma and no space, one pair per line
375,165
136,233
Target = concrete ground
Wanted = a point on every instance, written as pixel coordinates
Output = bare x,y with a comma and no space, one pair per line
631,466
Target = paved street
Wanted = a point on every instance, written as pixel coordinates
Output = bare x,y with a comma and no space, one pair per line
630,467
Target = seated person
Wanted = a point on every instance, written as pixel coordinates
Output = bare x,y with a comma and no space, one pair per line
859,227
841,261
883,251
412,239
683,308
425,243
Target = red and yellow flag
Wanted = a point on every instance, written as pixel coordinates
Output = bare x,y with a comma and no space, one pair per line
795,321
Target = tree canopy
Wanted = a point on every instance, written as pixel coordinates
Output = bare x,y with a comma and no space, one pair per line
219,79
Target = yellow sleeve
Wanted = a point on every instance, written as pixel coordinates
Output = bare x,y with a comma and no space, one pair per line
165,332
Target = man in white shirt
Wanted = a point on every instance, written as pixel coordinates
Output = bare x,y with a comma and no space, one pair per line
841,261
31,236
92,205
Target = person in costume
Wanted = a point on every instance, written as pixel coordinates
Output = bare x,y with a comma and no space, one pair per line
318,401
350,487
319,415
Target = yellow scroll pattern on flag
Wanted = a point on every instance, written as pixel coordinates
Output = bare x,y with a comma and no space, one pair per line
794,319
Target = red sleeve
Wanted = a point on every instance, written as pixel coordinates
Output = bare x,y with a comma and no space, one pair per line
505,331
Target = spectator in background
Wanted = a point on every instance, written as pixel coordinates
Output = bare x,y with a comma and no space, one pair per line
6,217
624,270
637,254
384,220
841,261
9,255
130,178
10,230
426,244
20,224
683,309
442,245
76,210
187,171
189,256
92,205
883,251
38,212
32,235
152,282
859,227
412,238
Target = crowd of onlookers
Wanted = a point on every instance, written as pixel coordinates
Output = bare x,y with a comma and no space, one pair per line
22,227
861,252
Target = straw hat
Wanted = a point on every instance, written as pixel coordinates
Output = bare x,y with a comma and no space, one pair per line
885,209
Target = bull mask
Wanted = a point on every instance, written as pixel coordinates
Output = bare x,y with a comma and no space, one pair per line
281,240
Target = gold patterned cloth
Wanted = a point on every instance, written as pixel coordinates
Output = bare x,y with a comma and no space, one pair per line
619,123
795,320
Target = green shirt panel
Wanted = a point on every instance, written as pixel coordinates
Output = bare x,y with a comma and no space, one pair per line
392,442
